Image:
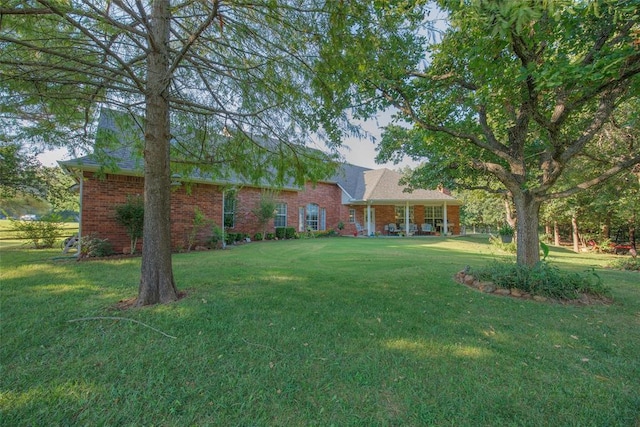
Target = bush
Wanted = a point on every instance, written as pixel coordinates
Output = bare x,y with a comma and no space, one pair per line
543,279
93,246
286,233
229,238
504,247
216,236
257,236
131,216
631,264
42,234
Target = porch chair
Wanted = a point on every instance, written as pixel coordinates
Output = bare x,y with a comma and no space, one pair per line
392,228
360,229
426,228
413,229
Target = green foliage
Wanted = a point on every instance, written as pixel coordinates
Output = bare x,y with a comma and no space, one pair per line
545,250
626,263
511,95
93,246
257,236
216,235
480,208
265,210
506,230
200,221
43,233
130,215
496,241
286,233
19,171
232,238
543,279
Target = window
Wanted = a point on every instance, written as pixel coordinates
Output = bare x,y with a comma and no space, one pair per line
323,219
230,205
312,216
400,215
352,216
281,215
433,215
301,218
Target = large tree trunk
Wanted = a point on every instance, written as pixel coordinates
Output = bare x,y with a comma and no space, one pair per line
156,281
556,233
527,239
575,234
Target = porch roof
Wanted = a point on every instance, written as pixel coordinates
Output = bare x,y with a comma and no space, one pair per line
382,187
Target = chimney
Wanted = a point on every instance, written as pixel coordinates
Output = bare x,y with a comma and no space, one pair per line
444,190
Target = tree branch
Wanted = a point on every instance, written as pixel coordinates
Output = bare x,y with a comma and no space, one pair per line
595,181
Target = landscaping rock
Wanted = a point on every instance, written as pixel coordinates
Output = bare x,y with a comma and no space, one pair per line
469,279
539,298
487,287
515,292
502,291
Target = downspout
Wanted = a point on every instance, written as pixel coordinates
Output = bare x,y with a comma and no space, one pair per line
224,241
79,251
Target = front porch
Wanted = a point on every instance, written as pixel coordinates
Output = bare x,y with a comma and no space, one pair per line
407,219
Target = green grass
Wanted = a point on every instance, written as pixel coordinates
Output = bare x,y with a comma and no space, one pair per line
337,331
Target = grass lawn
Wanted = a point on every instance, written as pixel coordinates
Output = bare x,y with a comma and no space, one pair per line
317,332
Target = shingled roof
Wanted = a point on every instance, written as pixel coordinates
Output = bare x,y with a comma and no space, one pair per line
360,185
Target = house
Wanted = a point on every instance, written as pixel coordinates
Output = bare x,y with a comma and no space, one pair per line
366,201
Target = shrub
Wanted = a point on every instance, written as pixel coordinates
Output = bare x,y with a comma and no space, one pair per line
286,233
216,235
631,264
504,247
506,230
271,236
543,279
131,216
229,238
93,246
265,209
257,236
42,234
200,221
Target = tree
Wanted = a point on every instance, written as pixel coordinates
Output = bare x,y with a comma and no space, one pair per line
19,172
512,93
130,215
223,87
265,210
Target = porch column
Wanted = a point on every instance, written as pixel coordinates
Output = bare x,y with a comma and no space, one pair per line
444,219
406,219
368,219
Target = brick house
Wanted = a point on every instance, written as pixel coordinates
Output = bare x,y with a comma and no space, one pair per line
366,201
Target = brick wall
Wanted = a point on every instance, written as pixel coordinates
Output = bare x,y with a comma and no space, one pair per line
101,195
